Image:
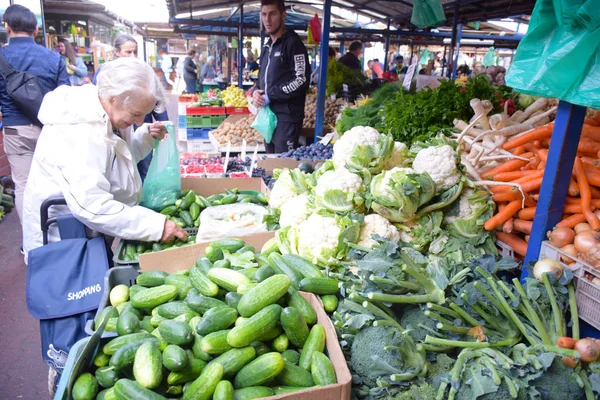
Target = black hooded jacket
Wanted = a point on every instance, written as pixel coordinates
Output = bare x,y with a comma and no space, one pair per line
285,76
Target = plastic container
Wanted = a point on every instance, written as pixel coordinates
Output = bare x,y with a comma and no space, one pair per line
205,110
76,350
236,110
198,133
181,122
204,121
187,98
504,250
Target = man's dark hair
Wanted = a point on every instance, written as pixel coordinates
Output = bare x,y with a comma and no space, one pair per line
191,53
331,52
20,19
398,58
279,3
355,46
122,39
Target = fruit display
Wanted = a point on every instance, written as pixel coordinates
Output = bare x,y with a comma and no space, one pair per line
332,110
237,131
233,96
313,152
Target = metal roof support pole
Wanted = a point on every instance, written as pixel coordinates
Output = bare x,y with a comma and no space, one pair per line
342,45
43,23
444,62
240,48
454,36
561,157
323,58
455,64
262,39
364,47
387,46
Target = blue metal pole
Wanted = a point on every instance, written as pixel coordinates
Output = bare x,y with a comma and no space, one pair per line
342,45
455,66
364,47
454,37
321,93
241,48
555,185
387,45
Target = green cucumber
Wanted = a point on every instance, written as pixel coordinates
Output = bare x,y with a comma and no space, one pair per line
204,264
173,309
151,278
169,210
294,326
197,349
188,374
176,390
156,320
147,365
115,344
228,279
118,295
298,301
85,387
230,244
126,389
322,370
293,375
270,334
249,272
194,211
125,356
254,392
263,273
216,319
101,395
259,324
187,218
320,285
330,302
232,299
281,343
314,343
269,247
110,394
176,332
146,324
186,317
174,358
111,325
187,201
234,360
127,323
259,371
127,307
154,296
241,321
204,386
201,282
202,304
280,266
291,356
303,266
135,289
245,288
111,311
213,254
224,391
222,264
182,282
260,348
263,294
101,359
216,342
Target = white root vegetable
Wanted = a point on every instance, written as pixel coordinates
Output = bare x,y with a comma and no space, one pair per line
499,121
461,125
537,105
543,121
516,129
467,128
480,109
470,169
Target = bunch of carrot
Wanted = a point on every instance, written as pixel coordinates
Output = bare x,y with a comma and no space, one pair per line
519,182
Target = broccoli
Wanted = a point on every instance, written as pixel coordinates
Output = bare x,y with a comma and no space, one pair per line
559,383
466,393
415,321
424,391
439,369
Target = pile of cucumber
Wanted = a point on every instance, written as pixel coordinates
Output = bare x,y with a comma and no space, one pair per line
186,213
215,331
7,201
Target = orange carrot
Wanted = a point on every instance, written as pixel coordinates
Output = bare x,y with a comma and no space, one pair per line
532,185
518,245
510,165
591,162
519,150
522,226
574,208
566,342
571,221
512,175
586,195
527,213
507,227
542,165
593,178
569,362
503,215
511,195
573,188
588,146
595,192
591,121
533,164
541,132
590,132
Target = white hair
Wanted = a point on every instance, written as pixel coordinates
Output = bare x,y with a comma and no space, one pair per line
128,78
211,58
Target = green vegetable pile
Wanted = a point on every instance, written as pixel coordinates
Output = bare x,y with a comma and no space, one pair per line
7,202
233,326
338,74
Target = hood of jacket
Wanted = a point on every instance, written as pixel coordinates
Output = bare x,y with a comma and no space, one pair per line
72,105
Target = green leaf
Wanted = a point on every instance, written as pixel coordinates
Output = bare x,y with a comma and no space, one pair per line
338,201
358,321
481,384
244,260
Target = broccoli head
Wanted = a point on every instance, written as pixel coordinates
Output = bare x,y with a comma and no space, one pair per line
558,383
412,317
439,369
424,391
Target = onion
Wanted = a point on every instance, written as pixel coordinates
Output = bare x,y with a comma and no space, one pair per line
547,266
571,251
582,227
588,349
586,241
560,237
596,281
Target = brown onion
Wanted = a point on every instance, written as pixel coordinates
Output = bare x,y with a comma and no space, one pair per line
547,266
571,251
560,237
582,227
586,241
588,350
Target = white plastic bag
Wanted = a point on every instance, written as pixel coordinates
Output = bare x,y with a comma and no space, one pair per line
231,220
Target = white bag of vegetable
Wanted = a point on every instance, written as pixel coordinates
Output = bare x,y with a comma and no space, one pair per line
231,220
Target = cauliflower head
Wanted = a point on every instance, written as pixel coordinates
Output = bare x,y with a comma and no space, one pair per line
398,158
375,224
318,238
294,211
464,207
440,163
359,135
340,179
289,184
386,186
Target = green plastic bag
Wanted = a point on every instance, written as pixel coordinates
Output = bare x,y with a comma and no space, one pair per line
559,56
162,186
427,13
424,57
490,58
265,123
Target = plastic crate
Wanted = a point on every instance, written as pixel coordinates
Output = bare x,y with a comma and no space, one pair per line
198,133
74,353
505,250
200,146
236,110
204,121
187,98
181,121
119,257
205,110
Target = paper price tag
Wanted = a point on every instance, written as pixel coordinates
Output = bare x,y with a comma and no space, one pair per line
227,157
327,138
410,74
243,155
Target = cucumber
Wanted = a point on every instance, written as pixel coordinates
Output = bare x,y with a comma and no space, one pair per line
232,299
259,324
245,249
270,334
186,317
128,323
308,312
204,264
154,296
126,389
197,349
151,278
222,264
281,343
85,387
174,358
146,324
182,282
216,319
127,307
260,348
230,244
303,266
280,266
169,210
216,342
262,260
202,304
291,356
187,201
101,359
112,313
241,321
157,247
245,288
255,392
111,325
204,386
314,343
201,282
269,247
293,375
173,309
101,395
330,302
118,295
135,289
322,370
125,356
265,293
176,332
176,390
189,373
234,360
115,344
259,371
294,326
228,279
213,254
249,272
156,320
320,285
187,218
224,391
147,365
194,211
263,273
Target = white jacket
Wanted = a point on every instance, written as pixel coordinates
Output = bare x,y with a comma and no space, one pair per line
80,158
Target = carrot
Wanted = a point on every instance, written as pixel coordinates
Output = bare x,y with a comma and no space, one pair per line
590,132
533,164
532,175
532,185
527,213
591,121
593,178
590,147
565,342
542,165
571,221
512,175
503,215
573,188
518,245
590,162
537,143
519,150
522,226
586,195
510,165
541,132
595,192
507,227
573,208
511,195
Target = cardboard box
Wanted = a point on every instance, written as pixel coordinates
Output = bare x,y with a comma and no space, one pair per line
179,258
209,186
270,164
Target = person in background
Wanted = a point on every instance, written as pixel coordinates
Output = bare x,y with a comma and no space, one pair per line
314,77
209,72
76,69
284,77
200,61
252,65
166,67
21,133
190,73
125,46
179,69
376,69
399,67
351,58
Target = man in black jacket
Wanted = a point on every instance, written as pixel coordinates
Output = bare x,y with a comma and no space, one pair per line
190,73
284,77
351,58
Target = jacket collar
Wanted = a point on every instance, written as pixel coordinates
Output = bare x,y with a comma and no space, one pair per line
287,33
21,39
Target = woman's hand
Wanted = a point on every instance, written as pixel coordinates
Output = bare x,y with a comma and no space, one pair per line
258,98
157,130
172,231
72,67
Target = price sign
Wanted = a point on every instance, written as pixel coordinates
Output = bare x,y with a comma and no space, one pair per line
410,74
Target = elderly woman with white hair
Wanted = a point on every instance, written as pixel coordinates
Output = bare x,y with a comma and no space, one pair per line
209,72
87,153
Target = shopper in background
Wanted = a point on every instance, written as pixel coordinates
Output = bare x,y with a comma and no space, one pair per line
190,73
200,61
251,65
209,72
376,69
179,69
76,69
166,66
399,67
352,58
284,77
125,46
23,54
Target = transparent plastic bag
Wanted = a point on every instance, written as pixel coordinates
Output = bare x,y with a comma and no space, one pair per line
265,123
427,13
558,57
162,186
231,220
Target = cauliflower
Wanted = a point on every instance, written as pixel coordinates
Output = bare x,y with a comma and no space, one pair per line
464,207
289,184
375,224
440,163
386,183
318,238
294,211
340,179
357,136
398,157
